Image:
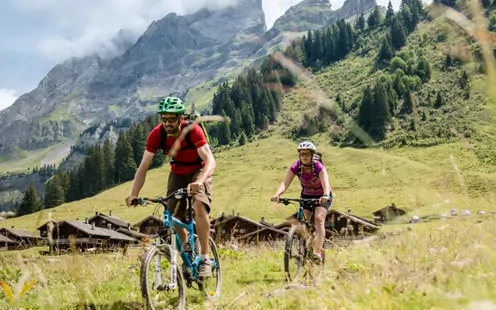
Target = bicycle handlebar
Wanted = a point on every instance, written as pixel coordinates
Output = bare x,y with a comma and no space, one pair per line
287,201
143,201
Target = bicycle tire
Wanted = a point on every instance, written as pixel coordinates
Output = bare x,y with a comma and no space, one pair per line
145,264
295,230
218,271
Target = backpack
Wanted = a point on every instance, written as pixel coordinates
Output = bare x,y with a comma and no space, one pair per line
189,144
317,156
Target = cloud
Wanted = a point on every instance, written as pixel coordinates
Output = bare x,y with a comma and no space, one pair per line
76,28
81,27
7,98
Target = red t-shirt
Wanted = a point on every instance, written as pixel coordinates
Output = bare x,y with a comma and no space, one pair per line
197,137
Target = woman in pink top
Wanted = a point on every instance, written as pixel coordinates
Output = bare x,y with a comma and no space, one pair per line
315,184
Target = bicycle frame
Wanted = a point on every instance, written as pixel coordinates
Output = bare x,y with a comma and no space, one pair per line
170,223
300,215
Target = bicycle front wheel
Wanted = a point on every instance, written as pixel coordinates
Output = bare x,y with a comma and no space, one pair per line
294,237
155,281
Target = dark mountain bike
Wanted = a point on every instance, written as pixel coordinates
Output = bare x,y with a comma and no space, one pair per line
302,233
166,245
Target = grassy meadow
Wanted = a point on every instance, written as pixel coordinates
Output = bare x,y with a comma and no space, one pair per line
436,265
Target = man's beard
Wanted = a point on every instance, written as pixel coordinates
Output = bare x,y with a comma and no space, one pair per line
171,130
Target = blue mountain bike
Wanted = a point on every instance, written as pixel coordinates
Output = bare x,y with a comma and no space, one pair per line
166,245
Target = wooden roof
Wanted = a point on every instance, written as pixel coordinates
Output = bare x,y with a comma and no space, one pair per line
392,208
6,240
262,229
111,219
149,217
97,231
21,233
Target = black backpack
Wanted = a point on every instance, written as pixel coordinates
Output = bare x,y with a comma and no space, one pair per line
317,156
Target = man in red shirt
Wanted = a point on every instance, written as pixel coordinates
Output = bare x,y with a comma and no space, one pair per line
192,167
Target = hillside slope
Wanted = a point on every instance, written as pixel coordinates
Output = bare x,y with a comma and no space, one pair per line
364,180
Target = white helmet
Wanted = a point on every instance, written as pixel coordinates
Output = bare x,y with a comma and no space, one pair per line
307,145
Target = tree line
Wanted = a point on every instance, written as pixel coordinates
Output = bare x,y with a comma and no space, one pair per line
103,167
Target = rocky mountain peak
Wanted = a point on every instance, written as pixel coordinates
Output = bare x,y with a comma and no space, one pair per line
174,54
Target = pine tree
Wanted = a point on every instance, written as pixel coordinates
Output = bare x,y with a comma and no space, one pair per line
398,36
365,112
386,51
439,101
108,164
389,13
29,202
360,25
407,107
374,18
54,193
93,171
138,143
125,165
242,139
224,131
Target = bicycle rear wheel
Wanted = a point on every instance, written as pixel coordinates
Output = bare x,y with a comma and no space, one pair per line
294,235
152,293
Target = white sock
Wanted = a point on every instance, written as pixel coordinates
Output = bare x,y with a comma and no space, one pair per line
204,256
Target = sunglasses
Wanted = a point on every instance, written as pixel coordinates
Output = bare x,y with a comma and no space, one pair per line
305,154
171,119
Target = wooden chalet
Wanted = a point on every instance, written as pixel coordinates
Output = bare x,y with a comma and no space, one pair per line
85,236
264,233
233,227
7,244
347,226
45,228
129,231
387,214
103,220
22,237
150,226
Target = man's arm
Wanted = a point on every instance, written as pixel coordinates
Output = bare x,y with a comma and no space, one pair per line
209,167
139,177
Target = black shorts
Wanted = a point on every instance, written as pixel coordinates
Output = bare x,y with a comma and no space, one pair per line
326,205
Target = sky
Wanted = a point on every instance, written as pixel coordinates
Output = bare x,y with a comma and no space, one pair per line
35,35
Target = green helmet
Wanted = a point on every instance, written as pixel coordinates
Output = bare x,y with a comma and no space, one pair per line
171,105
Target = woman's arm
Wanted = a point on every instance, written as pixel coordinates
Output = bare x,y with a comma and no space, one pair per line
285,184
324,177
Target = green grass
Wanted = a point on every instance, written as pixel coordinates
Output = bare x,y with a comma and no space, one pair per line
443,265
25,160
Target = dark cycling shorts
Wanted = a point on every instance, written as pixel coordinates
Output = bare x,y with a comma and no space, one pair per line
326,205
